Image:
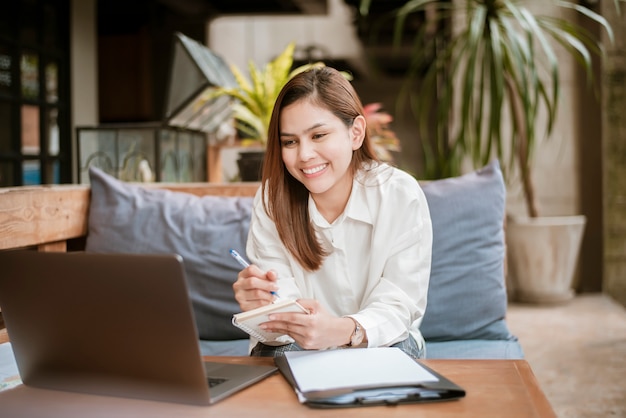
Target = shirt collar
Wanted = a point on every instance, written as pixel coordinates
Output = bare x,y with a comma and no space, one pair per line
357,207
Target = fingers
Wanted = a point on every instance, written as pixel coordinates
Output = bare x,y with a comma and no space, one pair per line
292,324
253,271
310,305
300,326
271,275
253,287
317,330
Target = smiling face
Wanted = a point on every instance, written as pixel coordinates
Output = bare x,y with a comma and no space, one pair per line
317,149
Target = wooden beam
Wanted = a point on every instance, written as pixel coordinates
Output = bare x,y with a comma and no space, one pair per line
214,163
31,216
53,247
202,189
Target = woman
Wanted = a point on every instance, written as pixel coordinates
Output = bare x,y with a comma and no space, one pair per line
346,235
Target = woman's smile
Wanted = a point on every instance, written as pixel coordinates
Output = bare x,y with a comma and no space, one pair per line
314,170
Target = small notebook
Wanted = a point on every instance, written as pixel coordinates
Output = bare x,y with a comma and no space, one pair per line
249,321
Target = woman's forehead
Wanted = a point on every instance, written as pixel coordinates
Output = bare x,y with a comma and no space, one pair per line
305,113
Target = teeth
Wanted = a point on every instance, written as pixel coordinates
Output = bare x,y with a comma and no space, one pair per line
315,169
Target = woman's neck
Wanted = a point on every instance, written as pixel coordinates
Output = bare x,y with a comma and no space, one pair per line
332,203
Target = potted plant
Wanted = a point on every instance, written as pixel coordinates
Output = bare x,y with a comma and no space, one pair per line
469,80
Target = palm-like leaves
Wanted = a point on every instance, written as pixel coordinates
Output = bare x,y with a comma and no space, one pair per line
502,62
255,97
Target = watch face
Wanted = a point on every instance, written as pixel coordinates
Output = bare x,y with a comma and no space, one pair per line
357,336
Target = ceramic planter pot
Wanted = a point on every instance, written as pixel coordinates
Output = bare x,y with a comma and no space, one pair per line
250,165
542,257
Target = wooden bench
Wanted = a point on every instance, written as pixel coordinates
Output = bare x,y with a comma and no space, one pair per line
54,218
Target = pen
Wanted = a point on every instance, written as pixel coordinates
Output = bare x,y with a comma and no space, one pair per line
245,264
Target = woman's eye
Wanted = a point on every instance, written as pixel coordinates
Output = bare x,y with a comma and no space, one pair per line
318,136
288,142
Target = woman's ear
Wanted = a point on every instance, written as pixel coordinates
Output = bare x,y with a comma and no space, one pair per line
357,132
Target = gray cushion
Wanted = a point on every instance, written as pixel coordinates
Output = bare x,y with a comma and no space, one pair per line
474,349
467,296
128,218
225,348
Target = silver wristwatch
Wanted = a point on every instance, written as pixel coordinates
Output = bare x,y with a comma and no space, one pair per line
357,335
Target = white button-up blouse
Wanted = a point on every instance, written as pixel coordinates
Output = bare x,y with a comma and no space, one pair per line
378,266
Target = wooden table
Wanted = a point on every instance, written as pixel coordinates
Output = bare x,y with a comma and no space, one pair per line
495,388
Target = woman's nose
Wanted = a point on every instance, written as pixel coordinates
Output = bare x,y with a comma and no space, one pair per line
306,150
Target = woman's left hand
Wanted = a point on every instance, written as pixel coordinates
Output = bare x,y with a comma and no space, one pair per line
317,330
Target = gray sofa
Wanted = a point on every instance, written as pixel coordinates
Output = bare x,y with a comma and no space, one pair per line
467,300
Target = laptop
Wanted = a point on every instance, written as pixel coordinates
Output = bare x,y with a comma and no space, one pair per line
111,324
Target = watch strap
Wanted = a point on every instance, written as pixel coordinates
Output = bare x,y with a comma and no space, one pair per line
357,335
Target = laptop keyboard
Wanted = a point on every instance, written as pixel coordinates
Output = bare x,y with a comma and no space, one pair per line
214,381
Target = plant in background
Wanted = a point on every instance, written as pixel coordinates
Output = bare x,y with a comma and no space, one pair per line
255,96
383,138
502,62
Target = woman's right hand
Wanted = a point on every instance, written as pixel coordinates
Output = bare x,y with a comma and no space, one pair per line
253,287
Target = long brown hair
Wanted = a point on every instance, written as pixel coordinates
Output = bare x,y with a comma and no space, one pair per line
287,198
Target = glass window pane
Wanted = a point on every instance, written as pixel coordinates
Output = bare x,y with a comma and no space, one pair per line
31,172
169,161
136,155
30,75
5,70
199,157
185,159
5,127
6,174
52,82
98,149
52,132
30,130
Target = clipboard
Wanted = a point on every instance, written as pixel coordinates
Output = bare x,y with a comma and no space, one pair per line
348,389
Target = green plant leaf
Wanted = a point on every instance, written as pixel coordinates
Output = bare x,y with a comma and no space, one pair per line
592,15
460,83
256,96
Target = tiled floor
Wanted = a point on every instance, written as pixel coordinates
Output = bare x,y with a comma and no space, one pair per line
578,353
